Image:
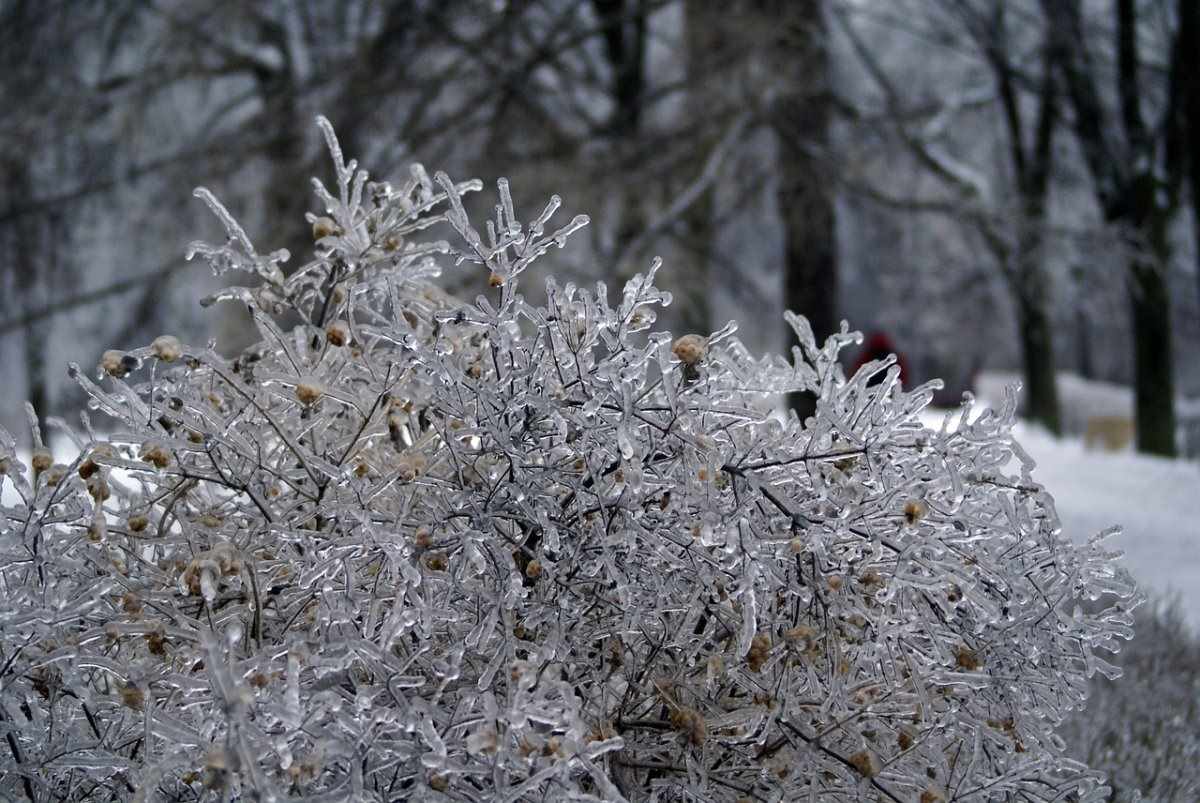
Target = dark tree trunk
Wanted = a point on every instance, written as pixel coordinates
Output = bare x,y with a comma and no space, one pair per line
1125,158
810,277
1190,12
695,284
283,224
800,116
1154,385
1083,335
285,207
1037,355
624,29
1032,160
28,249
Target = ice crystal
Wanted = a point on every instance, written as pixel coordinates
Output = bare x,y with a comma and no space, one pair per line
416,548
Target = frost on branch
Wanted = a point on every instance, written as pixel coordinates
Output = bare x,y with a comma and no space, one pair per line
414,548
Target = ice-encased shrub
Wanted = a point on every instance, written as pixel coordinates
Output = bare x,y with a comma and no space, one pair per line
1143,730
412,548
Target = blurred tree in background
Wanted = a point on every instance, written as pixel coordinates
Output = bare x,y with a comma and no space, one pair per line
998,184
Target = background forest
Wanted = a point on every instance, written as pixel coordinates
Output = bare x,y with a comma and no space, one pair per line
996,185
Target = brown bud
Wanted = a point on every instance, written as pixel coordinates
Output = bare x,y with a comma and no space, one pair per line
338,333
865,762
966,658
113,363
914,511
167,348
132,697
98,488
324,227
690,349
41,459
156,453
309,392
760,651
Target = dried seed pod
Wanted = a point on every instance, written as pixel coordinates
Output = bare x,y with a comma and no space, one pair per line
422,539
324,227
865,762
41,459
131,603
97,486
167,348
132,697
309,392
760,651
338,333
55,473
410,466
115,363
914,511
155,453
966,658
691,724
690,349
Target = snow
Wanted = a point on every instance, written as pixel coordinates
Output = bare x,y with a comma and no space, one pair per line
1080,399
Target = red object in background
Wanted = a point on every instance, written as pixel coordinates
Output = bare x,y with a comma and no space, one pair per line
877,346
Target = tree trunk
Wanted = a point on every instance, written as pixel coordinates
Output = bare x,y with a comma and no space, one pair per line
1037,355
800,116
27,252
1154,386
1083,334
1126,171
703,37
283,224
1033,298
624,29
1189,122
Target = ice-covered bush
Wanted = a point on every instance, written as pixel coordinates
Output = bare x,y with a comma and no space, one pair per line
412,548
1143,731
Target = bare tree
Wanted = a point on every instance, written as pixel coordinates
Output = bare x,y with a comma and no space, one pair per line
1136,157
1021,255
1011,224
